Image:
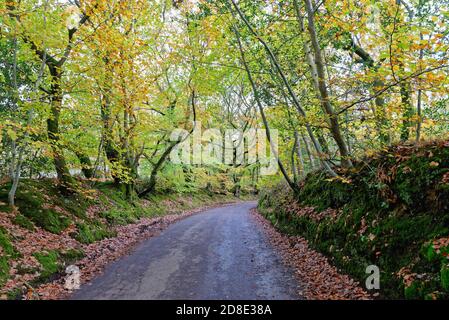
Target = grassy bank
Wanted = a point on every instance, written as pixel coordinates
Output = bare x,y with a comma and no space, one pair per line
391,210
48,230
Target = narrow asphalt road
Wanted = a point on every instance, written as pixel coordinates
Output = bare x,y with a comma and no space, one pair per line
221,253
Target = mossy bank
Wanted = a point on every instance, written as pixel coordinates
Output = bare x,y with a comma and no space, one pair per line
391,210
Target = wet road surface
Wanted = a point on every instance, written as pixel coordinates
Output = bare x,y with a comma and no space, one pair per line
221,253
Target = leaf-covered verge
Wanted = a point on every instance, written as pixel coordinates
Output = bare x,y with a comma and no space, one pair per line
49,231
391,210
317,278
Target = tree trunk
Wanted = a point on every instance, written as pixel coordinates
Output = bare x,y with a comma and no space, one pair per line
15,177
309,153
333,117
62,170
379,111
380,114
112,153
300,167
255,179
152,183
418,111
293,164
86,164
408,111
237,187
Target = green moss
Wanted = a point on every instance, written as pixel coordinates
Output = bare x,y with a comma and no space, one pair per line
15,294
52,263
47,219
72,255
154,211
321,193
31,206
30,199
89,233
414,291
115,195
444,274
49,261
76,203
4,269
429,252
24,222
403,206
120,216
8,252
5,244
